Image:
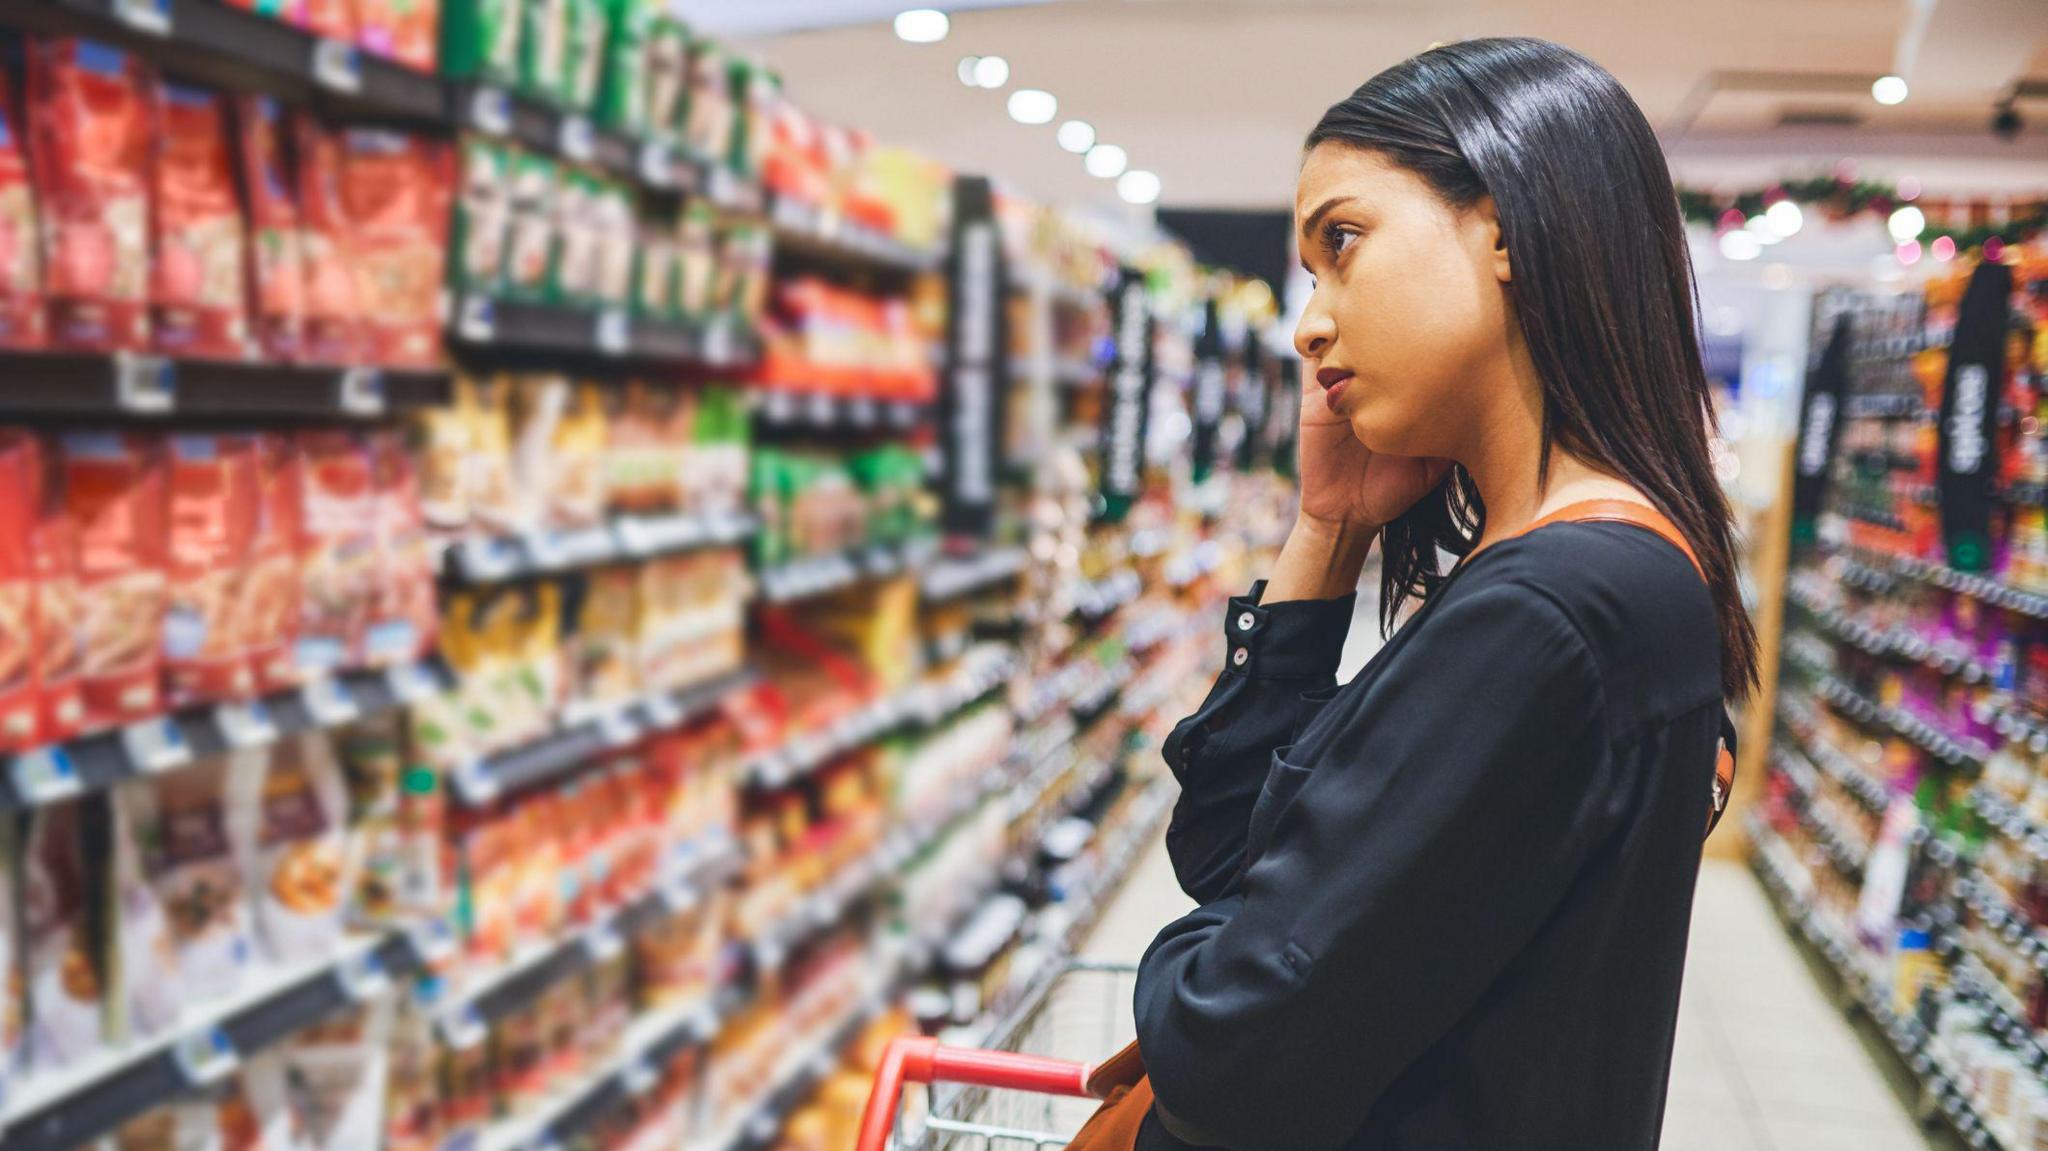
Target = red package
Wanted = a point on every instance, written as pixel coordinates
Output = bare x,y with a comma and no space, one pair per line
397,190
403,615
332,18
197,290
22,320
212,521
276,267
268,608
89,126
59,619
114,489
337,550
407,31
333,315
20,479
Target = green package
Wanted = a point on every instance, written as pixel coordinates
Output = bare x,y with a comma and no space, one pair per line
770,546
530,250
654,273
574,280
480,40
616,236
668,77
589,40
622,102
483,218
696,262
544,49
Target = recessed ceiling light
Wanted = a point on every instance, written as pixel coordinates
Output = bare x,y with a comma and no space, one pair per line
1106,160
1785,218
1740,244
1907,223
1888,90
1077,136
922,25
991,72
1138,186
967,67
1033,106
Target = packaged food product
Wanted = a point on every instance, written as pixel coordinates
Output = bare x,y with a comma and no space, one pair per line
576,493
441,443
614,220
276,266
335,1071
213,509
403,30
59,623
654,293
494,499
338,550
483,217
519,1051
395,189
333,312
412,1096
711,115
576,238
89,125
61,970
334,19
668,74
481,39
544,49
589,38
529,256
114,492
20,483
142,965
538,406
603,649
23,321
622,102
296,844
402,615
465,1093
267,604
696,260
185,823
198,296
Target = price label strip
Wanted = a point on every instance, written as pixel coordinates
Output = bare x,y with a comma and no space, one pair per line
490,111
204,1057
362,977
337,66
577,139
45,775
150,16
156,745
411,683
329,702
614,335
147,385
361,392
245,725
476,319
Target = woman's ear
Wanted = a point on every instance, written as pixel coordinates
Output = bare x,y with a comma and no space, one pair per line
1488,216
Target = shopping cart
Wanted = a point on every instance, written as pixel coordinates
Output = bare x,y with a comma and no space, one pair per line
1025,1090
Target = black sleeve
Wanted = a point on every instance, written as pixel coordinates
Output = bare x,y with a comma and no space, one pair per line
1276,653
1401,870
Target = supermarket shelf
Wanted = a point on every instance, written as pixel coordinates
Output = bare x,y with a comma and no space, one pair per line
1893,643
1848,853
218,44
796,410
1863,787
122,385
71,1107
2006,819
1990,591
1061,293
150,747
574,745
820,575
1922,734
798,1075
495,559
806,234
486,325
490,110
1889,407
951,577
1096,600
2018,931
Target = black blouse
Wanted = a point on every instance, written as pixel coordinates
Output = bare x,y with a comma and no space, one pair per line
1443,906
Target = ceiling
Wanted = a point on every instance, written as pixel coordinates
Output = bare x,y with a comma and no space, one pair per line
1215,95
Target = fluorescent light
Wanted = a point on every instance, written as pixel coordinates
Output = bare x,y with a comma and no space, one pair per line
1888,90
1106,160
1906,224
1785,218
991,72
1033,106
1077,136
1138,186
922,25
1740,244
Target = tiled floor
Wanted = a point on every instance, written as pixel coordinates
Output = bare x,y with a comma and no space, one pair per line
1764,1061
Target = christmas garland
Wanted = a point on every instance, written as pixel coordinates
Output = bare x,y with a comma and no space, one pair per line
1841,199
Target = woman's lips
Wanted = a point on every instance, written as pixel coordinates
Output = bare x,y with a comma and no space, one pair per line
1333,381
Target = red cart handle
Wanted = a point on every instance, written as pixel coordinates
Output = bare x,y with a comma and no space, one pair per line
919,1059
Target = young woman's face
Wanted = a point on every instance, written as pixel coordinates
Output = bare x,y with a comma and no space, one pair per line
1407,330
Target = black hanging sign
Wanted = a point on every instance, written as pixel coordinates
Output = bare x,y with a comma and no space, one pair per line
1130,397
977,366
1212,383
1970,397
1251,402
1820,418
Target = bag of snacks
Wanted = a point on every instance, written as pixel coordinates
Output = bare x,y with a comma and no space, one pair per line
114,492
396,189
403,615
338,550
23,321
333,313
198,296
60,970
187,823
668,75
654,292
335,1074
143,964
576,238
58,622
614,220
212,519
407,31
267,604
481,39
622,104
530,252
20,482
295,844
276,264
441,439
89,128
589,36
483,217
712,114
544,50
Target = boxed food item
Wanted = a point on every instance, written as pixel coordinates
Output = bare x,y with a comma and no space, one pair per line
544,49
114,493
333,313
337,550
395,190
212,516
23,320
617,239
668,75
267,605
403,30
20,483
576,238
198,297
89,137
483,217
59,622
60,967
276,266
530,254
654,293
622,103
496,501
186,822
589,39
296,843
480,39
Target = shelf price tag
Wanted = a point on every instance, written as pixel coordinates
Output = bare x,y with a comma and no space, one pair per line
463,1028
617,728
329,702
156,745
637,1078
204,1057
614,335
361,392
603,943
821,409
245,725
476,319
45,775
475,783
657,164
362,977
432,941
576,139
778,407
490,111
145,384
150,16
411,683
861,412
662,712
704,1023
718,349
337,66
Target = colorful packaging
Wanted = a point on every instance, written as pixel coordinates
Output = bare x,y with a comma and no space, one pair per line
403,615
696,260
614,220
198,295
212,518
441,441
483,217
334,19
14,1005
654,294
20,483
412,1096
90,133
143,965
401,30
67,1020
23,320
530,254
114,492
297,845
576,471
576,238
276,271
480,40
60,623
338,550
395,189
711,116
337,1071
544,49
668,75
622,102
187,828
267,606
589,41
333,316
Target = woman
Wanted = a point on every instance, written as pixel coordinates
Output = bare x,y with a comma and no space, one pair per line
1444,906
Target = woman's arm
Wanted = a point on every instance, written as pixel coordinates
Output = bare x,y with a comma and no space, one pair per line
1408,863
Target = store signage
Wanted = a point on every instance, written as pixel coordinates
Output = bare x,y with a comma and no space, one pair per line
1130,396
1819,418
977,367
1252,400
1211,389
1969,417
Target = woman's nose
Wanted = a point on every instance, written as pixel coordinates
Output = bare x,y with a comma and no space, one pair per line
1313,335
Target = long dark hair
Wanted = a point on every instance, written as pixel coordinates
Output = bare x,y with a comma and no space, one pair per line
1602,287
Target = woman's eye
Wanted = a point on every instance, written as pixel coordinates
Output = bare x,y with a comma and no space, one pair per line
1337,238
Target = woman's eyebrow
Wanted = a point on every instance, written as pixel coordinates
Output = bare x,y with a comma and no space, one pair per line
1309,222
